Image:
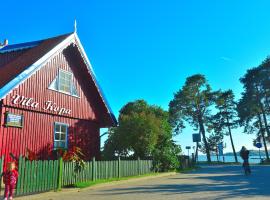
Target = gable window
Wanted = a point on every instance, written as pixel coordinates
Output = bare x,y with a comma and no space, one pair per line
60,135
64,83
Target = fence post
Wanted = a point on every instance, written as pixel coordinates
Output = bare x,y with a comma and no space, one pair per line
94,169
1,167
139,167
119,167
60,174
19,182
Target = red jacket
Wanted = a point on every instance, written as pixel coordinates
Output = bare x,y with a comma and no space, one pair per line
10,177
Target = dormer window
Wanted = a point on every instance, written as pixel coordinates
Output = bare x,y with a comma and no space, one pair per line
64,83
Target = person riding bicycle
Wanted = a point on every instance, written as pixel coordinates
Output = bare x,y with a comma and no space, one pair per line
244,153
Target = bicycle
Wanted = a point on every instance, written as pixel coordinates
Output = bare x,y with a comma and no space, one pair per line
246,167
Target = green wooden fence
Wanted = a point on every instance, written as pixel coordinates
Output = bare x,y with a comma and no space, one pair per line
1,169
1,164
70,177
37,176
41,176
96,170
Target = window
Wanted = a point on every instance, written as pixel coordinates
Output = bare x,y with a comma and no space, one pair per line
60,135
64,83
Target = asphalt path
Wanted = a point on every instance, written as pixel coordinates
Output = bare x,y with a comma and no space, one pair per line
209,182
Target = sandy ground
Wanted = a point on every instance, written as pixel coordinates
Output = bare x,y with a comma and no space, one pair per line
209,182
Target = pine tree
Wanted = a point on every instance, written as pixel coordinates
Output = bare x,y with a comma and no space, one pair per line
192,104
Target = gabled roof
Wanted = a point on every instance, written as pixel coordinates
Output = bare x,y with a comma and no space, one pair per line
16,47
36,55
14,71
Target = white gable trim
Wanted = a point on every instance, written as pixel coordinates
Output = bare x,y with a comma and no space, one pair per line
32,69
29,71
92,73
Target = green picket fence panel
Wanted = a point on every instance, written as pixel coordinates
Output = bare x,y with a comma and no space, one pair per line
41,176
104,170
70,177
135,167
1,168
37,176
1,164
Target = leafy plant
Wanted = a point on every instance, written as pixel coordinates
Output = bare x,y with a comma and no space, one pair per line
143,132
31,155
74,155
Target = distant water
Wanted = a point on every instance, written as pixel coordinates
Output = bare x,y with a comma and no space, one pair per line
252,159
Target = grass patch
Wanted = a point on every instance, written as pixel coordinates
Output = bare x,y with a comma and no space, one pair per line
92,183
100,181
217,163
188,169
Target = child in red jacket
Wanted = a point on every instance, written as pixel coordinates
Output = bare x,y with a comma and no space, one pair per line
10,177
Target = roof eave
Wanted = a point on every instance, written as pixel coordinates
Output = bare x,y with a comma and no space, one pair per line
92,73
72,38
6,89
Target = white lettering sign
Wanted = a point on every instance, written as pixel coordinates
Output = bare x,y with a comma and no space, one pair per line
24,101
48,105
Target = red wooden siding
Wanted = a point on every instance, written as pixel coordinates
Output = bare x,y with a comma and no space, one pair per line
37,87
88,112
38,134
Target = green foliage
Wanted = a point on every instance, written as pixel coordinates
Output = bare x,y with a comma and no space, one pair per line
143,132
74,155
254,106
254,103
213,140
226,117
165,156
192,104
248,111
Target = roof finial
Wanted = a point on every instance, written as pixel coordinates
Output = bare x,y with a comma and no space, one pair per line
75,26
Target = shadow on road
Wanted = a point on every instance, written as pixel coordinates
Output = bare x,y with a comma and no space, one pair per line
225,181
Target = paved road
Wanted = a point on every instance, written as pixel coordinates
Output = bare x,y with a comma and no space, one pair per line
209,182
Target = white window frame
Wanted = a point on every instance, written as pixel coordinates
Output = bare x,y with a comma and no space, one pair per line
57,85
66,138
70,83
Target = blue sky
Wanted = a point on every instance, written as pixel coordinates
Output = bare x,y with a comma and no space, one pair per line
145,49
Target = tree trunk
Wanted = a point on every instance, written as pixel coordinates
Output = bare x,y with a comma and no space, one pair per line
265,121
202,130
230,133
196,154
263,136
266,100
263,111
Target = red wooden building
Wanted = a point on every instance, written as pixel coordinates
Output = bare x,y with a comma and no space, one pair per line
50,98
